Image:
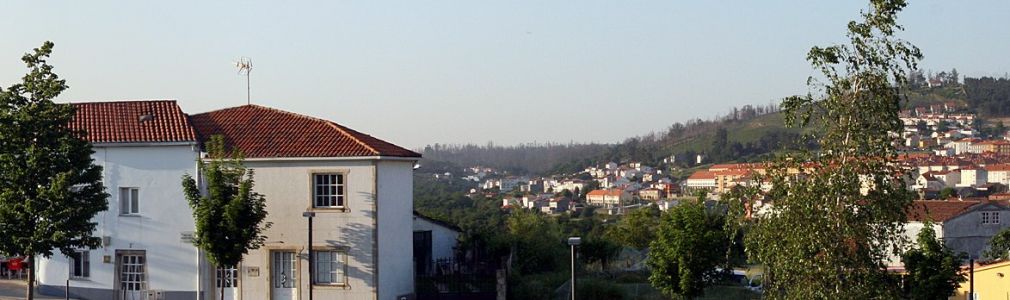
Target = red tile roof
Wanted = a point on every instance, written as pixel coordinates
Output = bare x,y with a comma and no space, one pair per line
612,192
938,210
261,132
128,122
701,175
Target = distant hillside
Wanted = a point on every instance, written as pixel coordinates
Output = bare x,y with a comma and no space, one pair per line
748,133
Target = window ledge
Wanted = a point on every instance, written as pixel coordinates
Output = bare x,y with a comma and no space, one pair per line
80,279
330,209
131,215
331,286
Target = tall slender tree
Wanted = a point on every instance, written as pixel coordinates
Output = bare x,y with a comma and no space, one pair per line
229,215
934,270
690,243
50,189
836,214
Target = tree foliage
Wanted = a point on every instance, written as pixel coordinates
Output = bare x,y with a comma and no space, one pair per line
830,229
933,269
50,189
229,215
690,243
988,96
636,229
999,245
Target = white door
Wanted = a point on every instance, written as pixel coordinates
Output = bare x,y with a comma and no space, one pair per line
227,279
284,278
132,275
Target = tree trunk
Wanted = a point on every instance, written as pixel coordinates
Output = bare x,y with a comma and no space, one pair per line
30,293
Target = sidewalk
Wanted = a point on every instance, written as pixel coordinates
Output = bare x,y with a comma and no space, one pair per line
14,289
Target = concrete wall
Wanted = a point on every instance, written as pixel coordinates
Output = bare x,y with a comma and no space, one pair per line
172,265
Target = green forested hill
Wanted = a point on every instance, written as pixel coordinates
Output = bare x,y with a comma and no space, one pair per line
743,134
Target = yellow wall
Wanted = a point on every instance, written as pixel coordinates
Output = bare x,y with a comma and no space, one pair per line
991,282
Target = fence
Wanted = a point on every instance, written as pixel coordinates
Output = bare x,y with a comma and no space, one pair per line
447,279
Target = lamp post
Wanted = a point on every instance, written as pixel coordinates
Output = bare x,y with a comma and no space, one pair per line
573,241
312,267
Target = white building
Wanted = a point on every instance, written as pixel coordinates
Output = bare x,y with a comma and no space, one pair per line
144,148
608,198
359,187
998,173
435,240
973,176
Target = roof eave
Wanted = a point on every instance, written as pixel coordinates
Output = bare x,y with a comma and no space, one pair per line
323,158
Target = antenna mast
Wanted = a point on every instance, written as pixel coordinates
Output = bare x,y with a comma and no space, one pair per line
244,65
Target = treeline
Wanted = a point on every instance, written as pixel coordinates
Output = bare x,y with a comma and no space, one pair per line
533,158
551,158
988,96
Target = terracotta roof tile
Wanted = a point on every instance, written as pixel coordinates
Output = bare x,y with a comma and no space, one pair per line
701,174
938,210
261,132
133,122
611,192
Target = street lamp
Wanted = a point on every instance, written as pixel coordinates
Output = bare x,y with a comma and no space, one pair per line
574,241
312,267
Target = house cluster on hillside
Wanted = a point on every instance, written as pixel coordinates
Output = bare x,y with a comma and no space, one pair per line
943,152
358,187
614,188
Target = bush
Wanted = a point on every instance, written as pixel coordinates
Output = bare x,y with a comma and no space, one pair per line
598,289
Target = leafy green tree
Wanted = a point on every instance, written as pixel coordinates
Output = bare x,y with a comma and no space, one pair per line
921,126
690,243
999,130
229,216
829,231
933,268
943,126
636,229
947,193
598,248
999,245
50,189
537,240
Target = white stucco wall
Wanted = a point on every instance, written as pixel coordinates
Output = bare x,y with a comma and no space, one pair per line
912,229
287,187
443,239
163,215
396,233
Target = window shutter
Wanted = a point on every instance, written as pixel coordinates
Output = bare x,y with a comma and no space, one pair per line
86,265
134,199
124,201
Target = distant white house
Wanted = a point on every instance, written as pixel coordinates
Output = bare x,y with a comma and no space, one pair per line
608,198
433,240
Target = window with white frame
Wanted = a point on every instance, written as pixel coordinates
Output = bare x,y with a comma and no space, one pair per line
330,267
80,264
129,201
227,277
990,217
328,190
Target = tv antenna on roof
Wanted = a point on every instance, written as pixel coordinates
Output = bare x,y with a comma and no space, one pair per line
244,65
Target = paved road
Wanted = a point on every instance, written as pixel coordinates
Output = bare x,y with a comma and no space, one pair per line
15,290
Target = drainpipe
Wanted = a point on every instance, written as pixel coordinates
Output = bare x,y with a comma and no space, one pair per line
971,279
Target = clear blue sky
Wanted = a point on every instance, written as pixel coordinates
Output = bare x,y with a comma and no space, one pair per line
423,72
